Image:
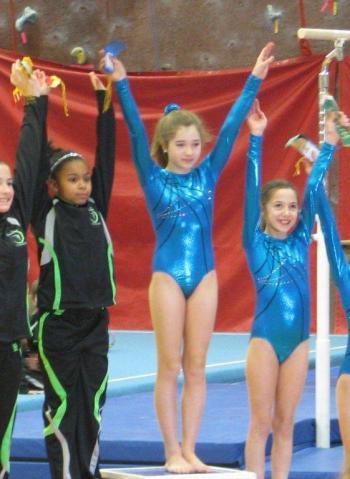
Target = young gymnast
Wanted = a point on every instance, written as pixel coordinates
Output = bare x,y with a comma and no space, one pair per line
16,200
76,285
341,273
276,239
183,290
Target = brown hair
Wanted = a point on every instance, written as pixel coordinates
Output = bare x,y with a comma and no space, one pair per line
166,129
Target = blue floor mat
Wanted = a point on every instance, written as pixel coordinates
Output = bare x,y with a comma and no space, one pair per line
130,433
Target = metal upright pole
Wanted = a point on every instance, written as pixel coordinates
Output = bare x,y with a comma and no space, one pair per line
322,394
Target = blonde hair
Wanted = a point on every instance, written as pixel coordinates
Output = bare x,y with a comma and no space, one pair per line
166,129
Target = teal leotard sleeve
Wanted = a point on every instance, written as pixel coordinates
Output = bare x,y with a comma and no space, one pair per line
338,262
221,152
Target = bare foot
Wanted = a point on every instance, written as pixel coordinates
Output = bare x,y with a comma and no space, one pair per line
178,464
346,474
196,463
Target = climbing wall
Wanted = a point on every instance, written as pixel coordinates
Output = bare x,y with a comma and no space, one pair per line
168,34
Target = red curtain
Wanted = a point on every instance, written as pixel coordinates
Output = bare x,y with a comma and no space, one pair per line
289,96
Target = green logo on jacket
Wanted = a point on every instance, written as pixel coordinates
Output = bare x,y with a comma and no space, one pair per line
17,237
94,217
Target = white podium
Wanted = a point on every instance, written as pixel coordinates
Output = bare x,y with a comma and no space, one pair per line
159,472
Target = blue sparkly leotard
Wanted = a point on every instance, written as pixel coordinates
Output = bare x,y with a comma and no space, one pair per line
181,205
280,266
338,263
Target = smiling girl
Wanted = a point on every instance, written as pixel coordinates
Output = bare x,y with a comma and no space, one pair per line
179,191
276,238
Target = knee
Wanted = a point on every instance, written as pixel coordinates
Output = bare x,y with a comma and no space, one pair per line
283,425
260,427
169,368
194,369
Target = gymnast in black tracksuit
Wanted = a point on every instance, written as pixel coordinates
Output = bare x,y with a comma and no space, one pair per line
16,199
76,285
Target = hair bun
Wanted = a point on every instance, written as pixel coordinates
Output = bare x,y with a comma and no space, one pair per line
171,107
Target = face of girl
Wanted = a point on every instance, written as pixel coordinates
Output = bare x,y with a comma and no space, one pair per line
281,213
184,150
73,182
6,188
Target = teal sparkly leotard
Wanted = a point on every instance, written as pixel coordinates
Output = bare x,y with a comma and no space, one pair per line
181,205
338,263
280,266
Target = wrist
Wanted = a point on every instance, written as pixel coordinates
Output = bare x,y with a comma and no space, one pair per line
331,139
30,99
256,72
120,78
257,132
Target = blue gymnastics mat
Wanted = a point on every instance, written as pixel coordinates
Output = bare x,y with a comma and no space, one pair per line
315,463
130,432
132,362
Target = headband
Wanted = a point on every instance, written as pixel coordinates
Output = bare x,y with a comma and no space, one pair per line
70,154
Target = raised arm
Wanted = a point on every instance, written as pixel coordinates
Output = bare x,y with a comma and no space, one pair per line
103,173
139,141
41,195
28,149
318,174
336,256
238,112
257,123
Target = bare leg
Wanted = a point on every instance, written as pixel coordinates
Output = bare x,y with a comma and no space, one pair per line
261,374
199,324
291,380
168,306
343,401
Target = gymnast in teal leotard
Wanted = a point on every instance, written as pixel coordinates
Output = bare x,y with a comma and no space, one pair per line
279,261
276,239
340,268
339,265
183,290
181,203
